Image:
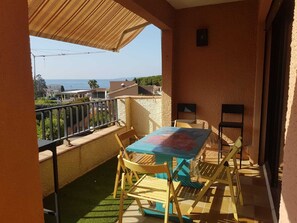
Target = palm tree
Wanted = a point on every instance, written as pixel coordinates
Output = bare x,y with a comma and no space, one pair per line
93,84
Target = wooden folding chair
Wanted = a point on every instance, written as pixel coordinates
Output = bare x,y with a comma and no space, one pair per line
127,138
221,173
149,187
182,124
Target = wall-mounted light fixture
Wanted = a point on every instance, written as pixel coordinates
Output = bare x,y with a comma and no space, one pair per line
202,37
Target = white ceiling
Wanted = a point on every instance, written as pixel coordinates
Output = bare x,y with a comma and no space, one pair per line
180,4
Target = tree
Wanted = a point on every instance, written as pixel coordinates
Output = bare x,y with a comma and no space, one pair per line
135,80
152,80
93,84
39,86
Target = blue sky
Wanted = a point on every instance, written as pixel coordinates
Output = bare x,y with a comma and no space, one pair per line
140,58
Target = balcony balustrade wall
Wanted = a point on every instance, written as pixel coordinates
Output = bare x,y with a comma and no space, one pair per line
144,113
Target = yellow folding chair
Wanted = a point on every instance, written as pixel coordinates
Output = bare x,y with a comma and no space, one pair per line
182,124
127,138
221,173
149,187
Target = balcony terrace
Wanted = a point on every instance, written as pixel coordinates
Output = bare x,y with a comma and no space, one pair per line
250,58
87,170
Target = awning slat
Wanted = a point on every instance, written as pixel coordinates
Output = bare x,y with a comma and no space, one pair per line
94,23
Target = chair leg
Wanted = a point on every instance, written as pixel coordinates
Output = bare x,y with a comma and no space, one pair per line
220,146
231,188
177,206
241,148
140,206
178,211
200,195
239,193
122,197
240,161
116,182
167,207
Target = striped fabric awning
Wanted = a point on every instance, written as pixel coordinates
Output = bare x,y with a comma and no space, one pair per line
102,24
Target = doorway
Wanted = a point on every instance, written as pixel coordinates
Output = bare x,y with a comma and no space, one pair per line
278,48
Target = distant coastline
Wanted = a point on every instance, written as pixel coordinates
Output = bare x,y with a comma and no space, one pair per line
82,84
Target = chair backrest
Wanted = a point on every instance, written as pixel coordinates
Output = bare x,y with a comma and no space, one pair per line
186,109
234,149
188,125
128,135
142,168
232,109
123,137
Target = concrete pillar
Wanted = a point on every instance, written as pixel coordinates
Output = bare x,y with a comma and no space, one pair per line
20,187
167,76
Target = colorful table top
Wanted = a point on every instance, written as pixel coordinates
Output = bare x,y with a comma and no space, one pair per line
172,141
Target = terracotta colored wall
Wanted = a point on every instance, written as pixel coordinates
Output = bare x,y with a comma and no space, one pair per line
21,199
288,204
222,72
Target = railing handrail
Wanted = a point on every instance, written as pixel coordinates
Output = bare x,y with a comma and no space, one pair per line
70,105
75,119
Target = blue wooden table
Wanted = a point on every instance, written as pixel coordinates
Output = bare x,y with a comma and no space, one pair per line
168,142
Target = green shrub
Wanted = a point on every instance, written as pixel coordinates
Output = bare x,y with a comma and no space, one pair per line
47,128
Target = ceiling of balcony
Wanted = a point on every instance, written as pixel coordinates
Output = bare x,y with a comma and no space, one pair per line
180,4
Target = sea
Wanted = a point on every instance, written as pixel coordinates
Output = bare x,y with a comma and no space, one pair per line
81,84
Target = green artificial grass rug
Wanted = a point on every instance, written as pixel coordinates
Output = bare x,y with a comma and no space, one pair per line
89,198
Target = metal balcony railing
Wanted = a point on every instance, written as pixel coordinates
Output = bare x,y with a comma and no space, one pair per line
62,122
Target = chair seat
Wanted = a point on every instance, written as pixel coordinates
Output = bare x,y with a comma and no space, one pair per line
207,171
146,159
151,188
231,124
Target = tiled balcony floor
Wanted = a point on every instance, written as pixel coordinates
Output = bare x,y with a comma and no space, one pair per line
216,205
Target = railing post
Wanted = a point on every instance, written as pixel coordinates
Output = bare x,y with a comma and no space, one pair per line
71,120
51,124
65,123
77,119
82,117
42,125
58,123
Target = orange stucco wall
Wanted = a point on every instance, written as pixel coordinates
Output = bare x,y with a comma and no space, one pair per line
20,188
222,72
288,205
